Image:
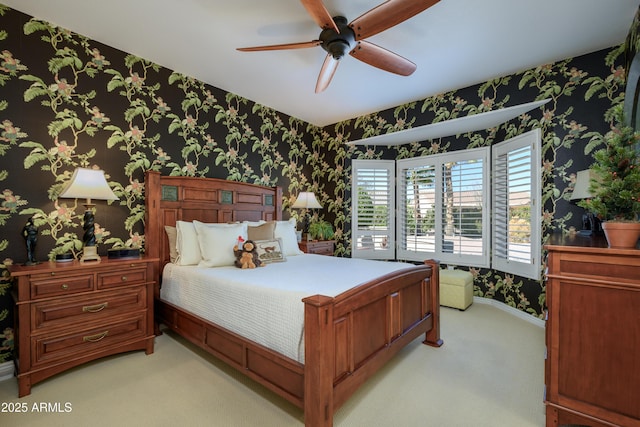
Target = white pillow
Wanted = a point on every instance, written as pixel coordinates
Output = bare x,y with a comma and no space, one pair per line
286,230
187,244
217,242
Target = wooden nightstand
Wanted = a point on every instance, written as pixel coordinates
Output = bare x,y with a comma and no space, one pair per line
319,247
71,313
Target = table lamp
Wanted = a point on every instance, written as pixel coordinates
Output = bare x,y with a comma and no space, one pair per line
590,223
306,200
88,184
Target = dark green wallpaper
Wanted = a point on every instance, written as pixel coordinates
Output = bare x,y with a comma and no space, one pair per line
67,101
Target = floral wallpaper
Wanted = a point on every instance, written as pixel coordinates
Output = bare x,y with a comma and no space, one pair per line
68,101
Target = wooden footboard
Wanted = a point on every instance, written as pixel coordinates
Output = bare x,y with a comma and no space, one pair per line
349,337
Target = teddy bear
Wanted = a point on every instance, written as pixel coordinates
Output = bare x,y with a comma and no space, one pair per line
247,256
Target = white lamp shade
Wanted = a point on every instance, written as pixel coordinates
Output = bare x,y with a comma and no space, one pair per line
306,200
88,184
581,189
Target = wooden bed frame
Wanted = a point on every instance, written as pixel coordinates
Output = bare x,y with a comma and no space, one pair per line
347,337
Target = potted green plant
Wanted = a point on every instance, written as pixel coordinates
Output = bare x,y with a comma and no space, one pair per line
321,230
615,185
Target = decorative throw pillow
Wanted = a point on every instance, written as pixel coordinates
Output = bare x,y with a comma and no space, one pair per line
270,250
217,241
187,246
286,230
262,231
172,236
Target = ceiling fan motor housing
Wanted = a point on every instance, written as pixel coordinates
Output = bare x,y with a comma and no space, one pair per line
338,44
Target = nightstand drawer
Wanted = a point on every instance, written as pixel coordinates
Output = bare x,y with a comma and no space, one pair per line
125,277
49,285
318,247
47,348
80,309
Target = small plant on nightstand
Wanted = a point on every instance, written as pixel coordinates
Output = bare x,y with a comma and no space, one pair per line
321,230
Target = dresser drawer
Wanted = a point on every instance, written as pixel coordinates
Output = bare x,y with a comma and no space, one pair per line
49,285
125,277
48,348
85,308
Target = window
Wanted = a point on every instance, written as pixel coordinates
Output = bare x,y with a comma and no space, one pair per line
454,207
441,207
516,205
372,209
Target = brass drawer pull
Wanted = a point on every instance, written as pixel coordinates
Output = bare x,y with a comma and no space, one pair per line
95,308
96,337
124,278
65,286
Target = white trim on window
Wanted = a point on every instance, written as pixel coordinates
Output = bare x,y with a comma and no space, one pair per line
372,204
516,199
442,208
452,207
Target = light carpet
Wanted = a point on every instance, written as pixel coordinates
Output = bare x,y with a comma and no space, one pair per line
489,372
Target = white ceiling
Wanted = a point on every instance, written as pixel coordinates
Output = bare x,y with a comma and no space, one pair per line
455,44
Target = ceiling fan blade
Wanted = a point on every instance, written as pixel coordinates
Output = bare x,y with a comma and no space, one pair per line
382,58
320,14
301,45
386,15
327,71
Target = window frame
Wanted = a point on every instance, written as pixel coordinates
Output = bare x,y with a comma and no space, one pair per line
489,258
438,162
499,235
357,232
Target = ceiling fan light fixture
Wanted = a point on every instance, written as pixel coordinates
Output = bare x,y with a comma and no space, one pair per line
338,37
337,44
338,48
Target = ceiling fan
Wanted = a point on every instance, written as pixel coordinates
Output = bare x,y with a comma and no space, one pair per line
339,37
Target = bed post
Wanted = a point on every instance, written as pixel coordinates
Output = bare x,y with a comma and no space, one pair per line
278,204
319,364
151,214
433,335
152,237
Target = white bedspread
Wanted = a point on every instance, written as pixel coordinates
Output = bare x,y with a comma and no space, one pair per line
264,304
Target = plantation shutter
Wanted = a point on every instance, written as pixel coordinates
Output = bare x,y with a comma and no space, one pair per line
417,199
373,192
442,208
463,207
516,205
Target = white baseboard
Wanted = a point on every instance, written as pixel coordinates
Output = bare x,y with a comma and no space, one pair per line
511,310
6,370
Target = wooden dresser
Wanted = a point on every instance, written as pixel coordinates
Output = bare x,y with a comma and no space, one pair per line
592,368
71,313
319,247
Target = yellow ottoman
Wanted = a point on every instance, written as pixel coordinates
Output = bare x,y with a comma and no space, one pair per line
456,288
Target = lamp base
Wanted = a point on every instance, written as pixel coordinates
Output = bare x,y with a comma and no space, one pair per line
90,253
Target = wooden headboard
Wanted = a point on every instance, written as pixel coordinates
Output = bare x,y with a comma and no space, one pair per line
172,198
